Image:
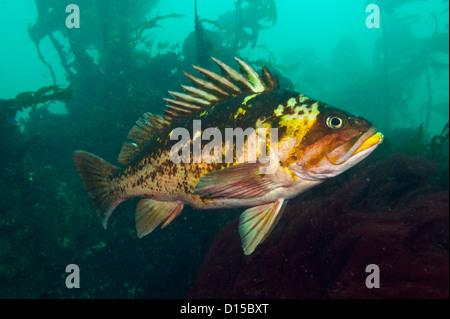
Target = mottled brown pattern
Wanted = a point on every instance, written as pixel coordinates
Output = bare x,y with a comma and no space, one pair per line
324,139
153,172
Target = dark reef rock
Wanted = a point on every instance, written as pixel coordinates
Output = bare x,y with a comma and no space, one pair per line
391,213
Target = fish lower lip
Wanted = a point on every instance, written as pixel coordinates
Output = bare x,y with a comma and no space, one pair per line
375,139
366,140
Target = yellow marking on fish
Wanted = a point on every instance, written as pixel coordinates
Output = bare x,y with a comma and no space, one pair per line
279,111
203,113
248,98
375,139
286,145
197,135
302,98
266,125
240,111
292,102
290,172
263,140
298,124
301,107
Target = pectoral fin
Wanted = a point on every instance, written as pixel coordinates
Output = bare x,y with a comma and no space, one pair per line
244,180
256,223
150,213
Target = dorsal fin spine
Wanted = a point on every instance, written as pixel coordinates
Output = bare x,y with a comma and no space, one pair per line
252,76
205,85
193,91
188,106
218,80
269,81
204,93
236,77
189,98
176,109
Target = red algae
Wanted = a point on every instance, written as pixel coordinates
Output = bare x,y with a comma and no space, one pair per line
389,213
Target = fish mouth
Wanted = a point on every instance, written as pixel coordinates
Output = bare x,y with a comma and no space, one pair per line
368,140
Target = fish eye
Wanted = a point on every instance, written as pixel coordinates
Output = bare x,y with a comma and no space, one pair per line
335,122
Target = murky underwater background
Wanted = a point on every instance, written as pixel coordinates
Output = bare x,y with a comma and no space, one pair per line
64,89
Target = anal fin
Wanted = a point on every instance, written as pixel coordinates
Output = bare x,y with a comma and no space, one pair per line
256,223
150,213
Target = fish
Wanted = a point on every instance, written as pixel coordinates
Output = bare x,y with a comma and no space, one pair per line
300,143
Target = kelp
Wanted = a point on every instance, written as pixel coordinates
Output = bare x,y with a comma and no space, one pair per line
419,143
233,30
32,98
403,58
103,29
153,23
435,148
46,213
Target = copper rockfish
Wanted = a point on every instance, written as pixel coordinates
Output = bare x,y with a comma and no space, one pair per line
315,141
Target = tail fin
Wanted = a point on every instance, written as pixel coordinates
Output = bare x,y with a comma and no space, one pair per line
96,175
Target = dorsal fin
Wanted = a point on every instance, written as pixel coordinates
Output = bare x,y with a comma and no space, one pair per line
139,134
216,88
